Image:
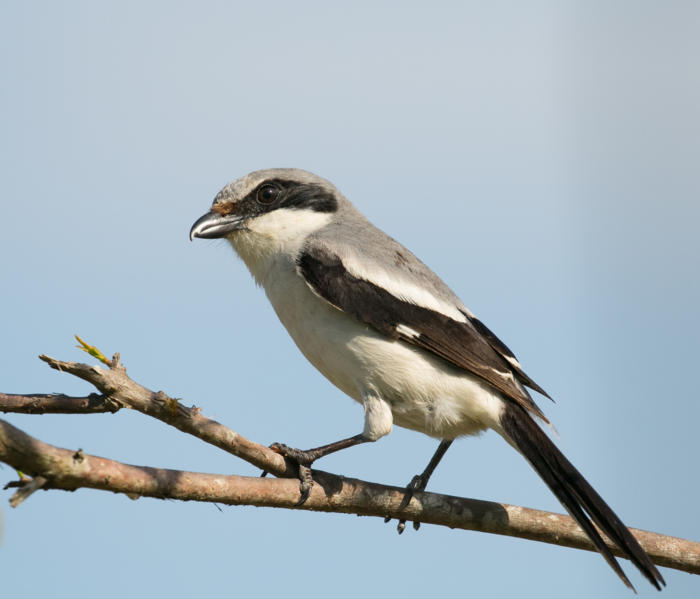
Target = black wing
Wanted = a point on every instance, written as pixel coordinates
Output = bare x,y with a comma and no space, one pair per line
467,345
503,350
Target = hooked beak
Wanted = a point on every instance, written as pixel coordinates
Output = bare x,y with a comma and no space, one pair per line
213,226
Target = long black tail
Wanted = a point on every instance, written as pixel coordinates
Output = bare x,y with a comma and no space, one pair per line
576,494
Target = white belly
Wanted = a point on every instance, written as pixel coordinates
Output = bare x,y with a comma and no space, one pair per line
424,393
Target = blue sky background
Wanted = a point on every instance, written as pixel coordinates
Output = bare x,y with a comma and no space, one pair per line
542,157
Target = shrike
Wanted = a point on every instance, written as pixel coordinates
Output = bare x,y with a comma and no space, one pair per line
384,329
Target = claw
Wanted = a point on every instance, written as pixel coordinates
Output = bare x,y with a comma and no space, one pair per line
304,459
306,484
280,448
420,482
415,485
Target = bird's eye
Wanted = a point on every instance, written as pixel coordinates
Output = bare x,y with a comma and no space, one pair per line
267,194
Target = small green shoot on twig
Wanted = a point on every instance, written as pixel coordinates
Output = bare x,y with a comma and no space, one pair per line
92,350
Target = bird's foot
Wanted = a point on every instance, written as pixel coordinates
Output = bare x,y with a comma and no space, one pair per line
304,459
418,483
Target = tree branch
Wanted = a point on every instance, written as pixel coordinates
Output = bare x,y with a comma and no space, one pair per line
38,403
70,470
55,468
116,385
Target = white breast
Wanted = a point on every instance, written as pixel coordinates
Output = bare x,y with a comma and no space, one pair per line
424,392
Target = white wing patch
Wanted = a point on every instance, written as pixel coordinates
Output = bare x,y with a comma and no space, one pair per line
408,331
513,361
400,288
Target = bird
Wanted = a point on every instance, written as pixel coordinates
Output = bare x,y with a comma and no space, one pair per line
389,333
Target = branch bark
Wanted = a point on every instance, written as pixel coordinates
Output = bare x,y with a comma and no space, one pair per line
70,470
116,385
38,403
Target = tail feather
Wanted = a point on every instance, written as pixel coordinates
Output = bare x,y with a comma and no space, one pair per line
576,494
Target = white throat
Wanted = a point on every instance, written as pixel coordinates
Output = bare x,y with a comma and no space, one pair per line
274,239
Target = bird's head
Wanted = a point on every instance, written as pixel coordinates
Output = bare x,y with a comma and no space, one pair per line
269,204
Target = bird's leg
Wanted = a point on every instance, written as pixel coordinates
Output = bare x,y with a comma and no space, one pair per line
419,482
306,458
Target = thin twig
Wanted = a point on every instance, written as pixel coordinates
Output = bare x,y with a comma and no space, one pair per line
116,384
26,490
